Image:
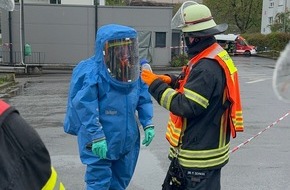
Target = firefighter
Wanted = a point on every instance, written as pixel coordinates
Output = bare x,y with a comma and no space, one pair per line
106,99
24,160
204,104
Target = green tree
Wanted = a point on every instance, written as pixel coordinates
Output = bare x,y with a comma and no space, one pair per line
281,22
244,15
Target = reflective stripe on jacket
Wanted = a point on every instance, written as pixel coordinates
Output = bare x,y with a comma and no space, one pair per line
176,123
231,117
53,182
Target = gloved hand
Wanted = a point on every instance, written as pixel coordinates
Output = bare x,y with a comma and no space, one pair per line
148,77
100,148
165,78
149,135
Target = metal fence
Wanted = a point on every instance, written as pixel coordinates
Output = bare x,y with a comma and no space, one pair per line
13,58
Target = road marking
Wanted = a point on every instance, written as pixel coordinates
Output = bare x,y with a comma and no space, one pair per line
258,80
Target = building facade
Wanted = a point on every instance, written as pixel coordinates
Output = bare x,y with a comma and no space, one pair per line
270,9
70,2
101,2
65,34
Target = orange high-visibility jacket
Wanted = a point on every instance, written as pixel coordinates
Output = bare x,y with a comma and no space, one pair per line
232,94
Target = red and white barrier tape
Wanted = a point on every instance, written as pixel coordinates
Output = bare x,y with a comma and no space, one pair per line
176,47
248,140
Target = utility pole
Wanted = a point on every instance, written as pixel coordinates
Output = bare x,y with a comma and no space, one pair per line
22,33
285,16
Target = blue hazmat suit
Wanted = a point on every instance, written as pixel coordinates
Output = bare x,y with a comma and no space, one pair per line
101,107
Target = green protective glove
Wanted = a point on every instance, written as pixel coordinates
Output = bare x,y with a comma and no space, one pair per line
100,148
149,135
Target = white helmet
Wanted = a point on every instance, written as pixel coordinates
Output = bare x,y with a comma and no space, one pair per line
197,20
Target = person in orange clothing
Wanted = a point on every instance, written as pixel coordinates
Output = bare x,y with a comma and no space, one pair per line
24,160
204,103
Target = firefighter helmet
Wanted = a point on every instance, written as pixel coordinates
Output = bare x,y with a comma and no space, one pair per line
197,20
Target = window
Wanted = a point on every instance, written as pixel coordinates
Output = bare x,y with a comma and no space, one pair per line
160,39
270,20
55,1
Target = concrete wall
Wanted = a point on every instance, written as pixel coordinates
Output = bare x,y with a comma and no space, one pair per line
66,33
78,2
37,1
143,19
71,2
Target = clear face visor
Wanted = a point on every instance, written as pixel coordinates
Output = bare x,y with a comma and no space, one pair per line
178,21
121,59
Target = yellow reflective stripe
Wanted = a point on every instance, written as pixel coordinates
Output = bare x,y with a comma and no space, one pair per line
202,158
239,114
172,140
224,123
173,133
61,186
223,131
167,97
174,130
240,123
53,181
196,97
238,120
113,44
172,152
204,154
203,163
228,60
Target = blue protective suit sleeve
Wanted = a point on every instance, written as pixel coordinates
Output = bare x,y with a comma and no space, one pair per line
145,106
83,106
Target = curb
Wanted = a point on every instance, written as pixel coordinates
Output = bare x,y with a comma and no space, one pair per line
10,87
13,89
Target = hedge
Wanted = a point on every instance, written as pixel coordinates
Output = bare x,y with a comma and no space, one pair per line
267,45
275,41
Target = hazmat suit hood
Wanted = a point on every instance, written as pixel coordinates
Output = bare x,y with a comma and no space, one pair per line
111,40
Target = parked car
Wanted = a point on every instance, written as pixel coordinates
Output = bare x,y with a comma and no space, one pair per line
235,44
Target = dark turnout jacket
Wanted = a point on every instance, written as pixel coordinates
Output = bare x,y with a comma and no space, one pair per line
24,160
205,134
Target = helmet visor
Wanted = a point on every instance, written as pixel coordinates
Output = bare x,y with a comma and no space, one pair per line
177,22
121,58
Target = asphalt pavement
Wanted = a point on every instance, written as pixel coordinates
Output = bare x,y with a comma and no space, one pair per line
261,163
